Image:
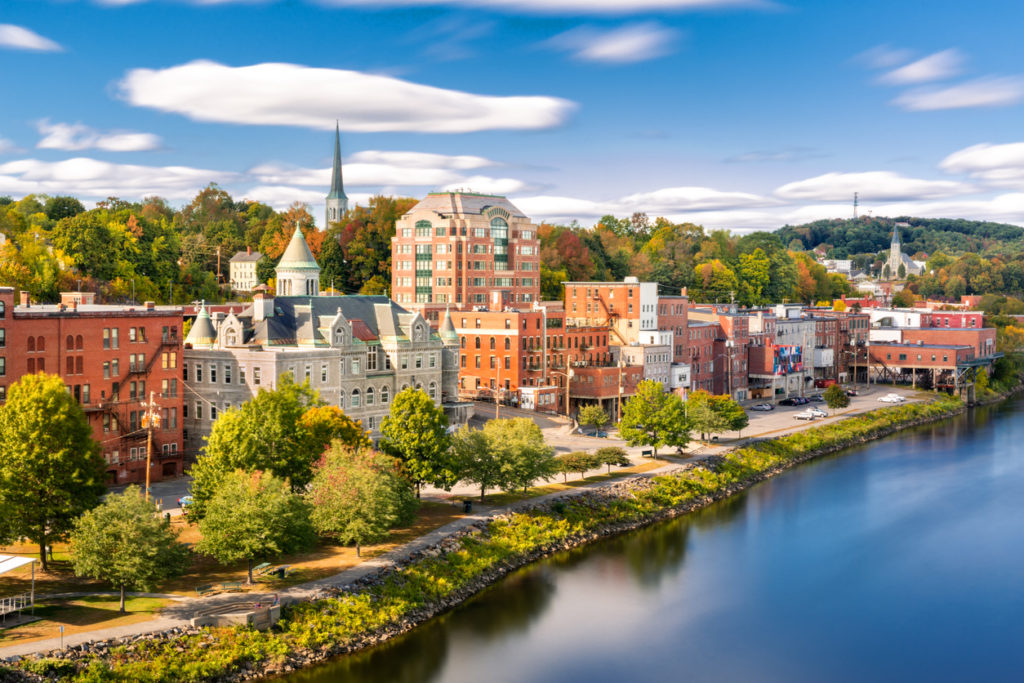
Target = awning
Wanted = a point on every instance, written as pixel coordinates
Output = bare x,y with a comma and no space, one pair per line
12,562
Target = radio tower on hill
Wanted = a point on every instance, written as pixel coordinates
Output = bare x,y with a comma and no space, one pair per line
854,206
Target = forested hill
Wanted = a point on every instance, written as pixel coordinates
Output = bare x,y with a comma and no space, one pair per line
870,235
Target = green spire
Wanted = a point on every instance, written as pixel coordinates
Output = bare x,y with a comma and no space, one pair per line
337,186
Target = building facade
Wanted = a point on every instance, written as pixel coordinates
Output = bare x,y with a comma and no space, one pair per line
242,270
113,359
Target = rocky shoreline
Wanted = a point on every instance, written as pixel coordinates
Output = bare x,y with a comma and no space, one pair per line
303,658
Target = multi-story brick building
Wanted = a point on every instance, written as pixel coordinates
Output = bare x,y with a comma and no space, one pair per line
112,359
453,249
626,307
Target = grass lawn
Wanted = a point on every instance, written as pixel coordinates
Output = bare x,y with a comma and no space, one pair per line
554,487
324,560
81,614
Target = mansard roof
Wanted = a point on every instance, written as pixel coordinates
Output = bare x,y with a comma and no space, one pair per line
454,203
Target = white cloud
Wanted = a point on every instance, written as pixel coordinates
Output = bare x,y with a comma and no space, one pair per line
421,160
76,137
297,95
883,57
872,186
675,199
21,38
1001,165
488,185
86,177
982,92
931,68
7,146
625,44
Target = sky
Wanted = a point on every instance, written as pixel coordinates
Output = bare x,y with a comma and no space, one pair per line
735,114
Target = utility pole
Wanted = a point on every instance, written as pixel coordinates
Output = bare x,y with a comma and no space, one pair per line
618,404
150,421
218,265
497,392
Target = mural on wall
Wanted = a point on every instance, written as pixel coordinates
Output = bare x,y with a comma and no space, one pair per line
788,359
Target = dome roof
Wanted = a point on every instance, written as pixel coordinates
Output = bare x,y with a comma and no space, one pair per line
297,256
447,328
202,335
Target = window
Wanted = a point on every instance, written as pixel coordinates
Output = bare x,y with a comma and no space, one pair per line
432,390
369,396
241,374
199,372
131,335
213,373
373,420
199,410
385,395
256,376
355,398
213,412
405,361
341,400
419,361
106,337
371,359
323,373
423,228
355,366
106,369
308,373
433,360
113,338
85,393
227,373
3,310
184,371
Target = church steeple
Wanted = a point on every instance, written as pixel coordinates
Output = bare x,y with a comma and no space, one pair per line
895,236
337,201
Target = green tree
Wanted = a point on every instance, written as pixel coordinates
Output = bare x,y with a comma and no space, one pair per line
265,433
835,397
326,424
477,463
254,515
654,417
754,276
702,416
524,457
611,455
63,207
577,461
416,432
127,543
731,412
51,471
592,415
358,494
903,299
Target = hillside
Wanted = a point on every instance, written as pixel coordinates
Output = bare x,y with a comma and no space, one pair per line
870,235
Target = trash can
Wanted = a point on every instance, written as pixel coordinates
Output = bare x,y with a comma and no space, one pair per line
467,506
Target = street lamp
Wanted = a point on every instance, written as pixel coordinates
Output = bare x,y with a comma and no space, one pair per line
618,404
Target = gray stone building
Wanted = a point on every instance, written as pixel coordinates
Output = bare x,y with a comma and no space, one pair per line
358,352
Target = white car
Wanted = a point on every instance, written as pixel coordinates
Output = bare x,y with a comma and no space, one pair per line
806,415
892,398
763,407
817,412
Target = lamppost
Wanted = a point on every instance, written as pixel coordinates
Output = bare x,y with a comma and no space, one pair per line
568,376
618,404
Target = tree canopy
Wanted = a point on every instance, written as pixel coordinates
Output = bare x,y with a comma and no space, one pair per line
416,432
653,417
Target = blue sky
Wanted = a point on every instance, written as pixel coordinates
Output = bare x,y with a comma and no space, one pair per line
731,114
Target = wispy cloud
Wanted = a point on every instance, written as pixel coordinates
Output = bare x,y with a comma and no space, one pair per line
883,57
935,67
571,7
77,137
787,155
20,38
7,146
999,165
625,44
872,186
297,95
982,92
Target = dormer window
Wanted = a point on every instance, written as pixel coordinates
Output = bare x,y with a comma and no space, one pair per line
339,336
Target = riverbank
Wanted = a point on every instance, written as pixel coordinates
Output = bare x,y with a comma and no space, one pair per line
441,577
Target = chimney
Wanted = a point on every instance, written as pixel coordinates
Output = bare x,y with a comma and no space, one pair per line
262,307
74,305
24,299
248,251
150,305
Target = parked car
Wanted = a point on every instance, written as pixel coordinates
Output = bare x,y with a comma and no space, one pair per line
802,400
788,402
852,392
817,398
805,415
892,398
763,407
817,412
184,501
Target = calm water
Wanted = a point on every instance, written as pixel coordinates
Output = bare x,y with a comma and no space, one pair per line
900,561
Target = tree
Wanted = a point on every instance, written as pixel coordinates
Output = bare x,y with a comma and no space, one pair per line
611,455
50,468
731,412
524,457
592,415
836,398
702,416
265,433
653,417
358,494
63,207
416,432
476,462
577,461
127,543
903,299
326,424
254,515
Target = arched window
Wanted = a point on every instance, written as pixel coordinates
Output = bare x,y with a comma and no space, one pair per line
492,343
79,343
341,400
32,346
462,342
433,390
355,398
404,387
339,336
69,343
508,343
40,343
31,364
231,337
369,396
385,395
499,228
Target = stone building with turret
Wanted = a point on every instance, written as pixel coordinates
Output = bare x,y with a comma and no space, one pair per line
357,352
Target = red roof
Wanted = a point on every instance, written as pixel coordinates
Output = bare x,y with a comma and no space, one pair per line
361,331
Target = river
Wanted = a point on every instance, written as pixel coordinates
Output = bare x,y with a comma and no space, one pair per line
902,560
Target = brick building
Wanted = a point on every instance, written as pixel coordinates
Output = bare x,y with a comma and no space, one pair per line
112,358
455,248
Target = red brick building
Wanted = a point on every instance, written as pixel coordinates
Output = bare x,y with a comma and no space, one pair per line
111,358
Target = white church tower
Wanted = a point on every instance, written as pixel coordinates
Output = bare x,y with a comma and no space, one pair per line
337,201
298,273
